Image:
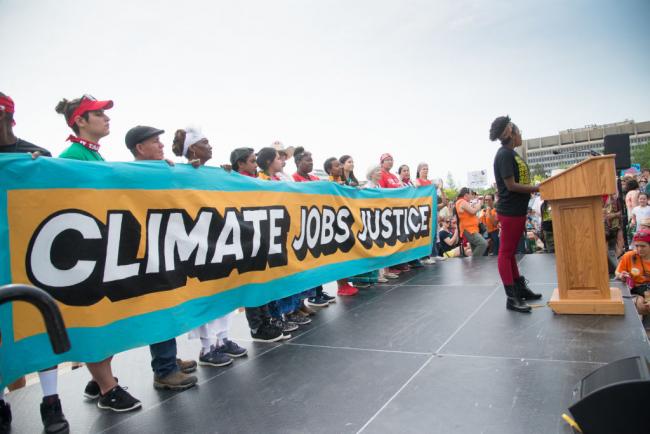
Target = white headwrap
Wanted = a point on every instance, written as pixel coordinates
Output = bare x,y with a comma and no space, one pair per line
192,136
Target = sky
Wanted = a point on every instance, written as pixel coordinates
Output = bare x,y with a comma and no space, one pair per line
422,80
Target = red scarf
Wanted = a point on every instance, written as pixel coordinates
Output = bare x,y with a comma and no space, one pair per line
85,143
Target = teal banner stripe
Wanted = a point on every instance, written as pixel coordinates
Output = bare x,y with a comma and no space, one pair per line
21,172
35,352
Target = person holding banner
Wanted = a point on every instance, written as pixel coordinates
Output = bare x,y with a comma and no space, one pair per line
259,318
86,117
52,416
285,312
513,184
389,180
216,349
333,168
170,372
244,162
347,172
404,173
305,164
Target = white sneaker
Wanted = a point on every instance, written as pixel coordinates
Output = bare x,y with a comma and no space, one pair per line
429,261
441,258
382,279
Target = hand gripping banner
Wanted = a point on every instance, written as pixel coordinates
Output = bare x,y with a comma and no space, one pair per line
138,253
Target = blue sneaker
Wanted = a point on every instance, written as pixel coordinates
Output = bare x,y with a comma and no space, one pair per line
214,358
317,302
231,349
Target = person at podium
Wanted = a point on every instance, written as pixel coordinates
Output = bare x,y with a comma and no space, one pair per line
513,184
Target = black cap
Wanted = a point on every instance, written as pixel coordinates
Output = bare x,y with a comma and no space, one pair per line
139,134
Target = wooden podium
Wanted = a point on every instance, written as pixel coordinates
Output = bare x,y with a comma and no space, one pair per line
575,196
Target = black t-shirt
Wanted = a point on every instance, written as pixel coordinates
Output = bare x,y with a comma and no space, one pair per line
442,246
23,146
508,163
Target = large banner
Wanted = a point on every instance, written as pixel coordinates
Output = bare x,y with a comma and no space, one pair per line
136,253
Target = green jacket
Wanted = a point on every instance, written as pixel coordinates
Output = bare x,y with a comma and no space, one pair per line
76,151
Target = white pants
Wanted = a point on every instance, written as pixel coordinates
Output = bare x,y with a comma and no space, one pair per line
216,328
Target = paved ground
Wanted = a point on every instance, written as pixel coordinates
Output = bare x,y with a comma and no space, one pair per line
435,353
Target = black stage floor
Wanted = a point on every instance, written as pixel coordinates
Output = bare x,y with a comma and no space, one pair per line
437,352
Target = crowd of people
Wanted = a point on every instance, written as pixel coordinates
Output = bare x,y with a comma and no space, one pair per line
501,224
88,119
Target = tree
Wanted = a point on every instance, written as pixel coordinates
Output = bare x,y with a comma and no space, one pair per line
451,184
538,171
641,155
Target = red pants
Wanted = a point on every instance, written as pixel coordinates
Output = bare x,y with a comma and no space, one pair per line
512,228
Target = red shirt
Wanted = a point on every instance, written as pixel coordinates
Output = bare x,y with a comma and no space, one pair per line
388,180
299,178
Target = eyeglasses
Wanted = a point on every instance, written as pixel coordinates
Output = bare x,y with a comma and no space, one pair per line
88,97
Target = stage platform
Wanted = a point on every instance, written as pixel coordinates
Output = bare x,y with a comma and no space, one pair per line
434,352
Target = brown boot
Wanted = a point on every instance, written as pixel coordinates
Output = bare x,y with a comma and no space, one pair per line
175,381
306,309
186,366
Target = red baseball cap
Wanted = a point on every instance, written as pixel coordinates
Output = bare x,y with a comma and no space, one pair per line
385,157
88,104
7,105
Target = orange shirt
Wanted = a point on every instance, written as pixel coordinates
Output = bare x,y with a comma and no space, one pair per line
468,222
632,263
484,218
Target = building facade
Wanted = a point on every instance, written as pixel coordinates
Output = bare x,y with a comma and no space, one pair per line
572,146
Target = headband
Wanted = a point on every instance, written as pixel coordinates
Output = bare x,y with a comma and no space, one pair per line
643,236
192,135
7,105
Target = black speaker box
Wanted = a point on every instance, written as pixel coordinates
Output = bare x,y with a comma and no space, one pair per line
619,145
614,398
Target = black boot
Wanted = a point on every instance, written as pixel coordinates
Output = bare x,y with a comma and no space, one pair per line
521,285
52,416
515,302
5,417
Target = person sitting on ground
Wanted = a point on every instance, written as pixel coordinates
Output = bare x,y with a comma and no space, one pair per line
52,416
488,216
87,118
448,246
533,241
641,211
634,269
347,164
169,371
467,206
216,348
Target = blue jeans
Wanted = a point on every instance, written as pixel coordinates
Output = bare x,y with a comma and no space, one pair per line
494,236
434,250
163,358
